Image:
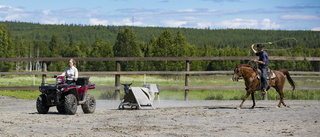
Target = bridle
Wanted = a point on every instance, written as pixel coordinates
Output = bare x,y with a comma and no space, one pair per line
236,72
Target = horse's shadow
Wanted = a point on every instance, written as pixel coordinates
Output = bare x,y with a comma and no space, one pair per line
217,108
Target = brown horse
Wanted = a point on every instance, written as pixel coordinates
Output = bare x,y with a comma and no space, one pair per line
250,76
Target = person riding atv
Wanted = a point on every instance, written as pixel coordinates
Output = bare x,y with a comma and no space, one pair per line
67,94
71,72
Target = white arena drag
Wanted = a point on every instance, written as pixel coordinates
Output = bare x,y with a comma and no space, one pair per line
139,97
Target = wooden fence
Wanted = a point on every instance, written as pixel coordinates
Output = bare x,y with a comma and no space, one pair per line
118,71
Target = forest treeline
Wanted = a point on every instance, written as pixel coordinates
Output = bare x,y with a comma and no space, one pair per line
30,40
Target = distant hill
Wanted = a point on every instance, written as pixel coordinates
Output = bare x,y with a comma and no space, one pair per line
19,39
220,38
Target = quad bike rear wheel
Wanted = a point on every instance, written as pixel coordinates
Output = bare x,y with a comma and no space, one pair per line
41,107
70,104
90,105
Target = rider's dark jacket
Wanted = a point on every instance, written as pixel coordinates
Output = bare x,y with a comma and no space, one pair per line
263,56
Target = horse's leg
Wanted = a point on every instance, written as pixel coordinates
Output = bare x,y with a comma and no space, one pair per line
254,103
244,99
281,98
280,91
279,88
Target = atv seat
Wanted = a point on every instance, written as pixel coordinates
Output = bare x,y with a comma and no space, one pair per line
83,81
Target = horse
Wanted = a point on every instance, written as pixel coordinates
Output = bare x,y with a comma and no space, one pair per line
252,82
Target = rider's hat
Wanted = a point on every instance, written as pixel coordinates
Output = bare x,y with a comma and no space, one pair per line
260,45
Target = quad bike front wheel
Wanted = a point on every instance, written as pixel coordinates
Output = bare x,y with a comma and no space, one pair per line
90,105
41,106
70,104
61,109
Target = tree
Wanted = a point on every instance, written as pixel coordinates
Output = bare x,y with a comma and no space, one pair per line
101,49
57,50
301,65
127,46
6,49
85,52
164,48
148,52
180,49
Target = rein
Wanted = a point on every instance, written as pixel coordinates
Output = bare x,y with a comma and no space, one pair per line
247,84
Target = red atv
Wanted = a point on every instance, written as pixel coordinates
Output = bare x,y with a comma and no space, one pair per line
66,97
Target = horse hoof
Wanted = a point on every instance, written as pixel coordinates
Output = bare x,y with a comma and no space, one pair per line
277,107
238,108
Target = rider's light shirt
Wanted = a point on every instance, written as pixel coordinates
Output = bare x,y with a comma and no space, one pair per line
72,73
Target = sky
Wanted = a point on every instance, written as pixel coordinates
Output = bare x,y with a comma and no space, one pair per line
200,14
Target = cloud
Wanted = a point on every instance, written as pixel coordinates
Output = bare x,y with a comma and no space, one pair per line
46,12
10,9
94,21
315,29
238,23
300,17
297,7
172,23
267,24
220,1
11,13
53,20
187,10
204,24
247,24
128,22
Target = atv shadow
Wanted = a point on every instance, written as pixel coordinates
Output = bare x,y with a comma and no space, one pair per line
49,113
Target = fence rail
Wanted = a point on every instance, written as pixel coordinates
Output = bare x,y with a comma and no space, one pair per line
146,72
166,88
187,71
162,58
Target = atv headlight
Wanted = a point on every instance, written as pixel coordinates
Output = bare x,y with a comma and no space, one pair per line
59,80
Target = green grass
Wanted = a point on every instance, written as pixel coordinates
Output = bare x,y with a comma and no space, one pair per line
22,94
169,80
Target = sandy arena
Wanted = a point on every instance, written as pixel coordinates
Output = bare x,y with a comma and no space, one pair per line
170,118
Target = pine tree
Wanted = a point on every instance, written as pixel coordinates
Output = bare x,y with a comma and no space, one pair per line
6,49
164,48
127,46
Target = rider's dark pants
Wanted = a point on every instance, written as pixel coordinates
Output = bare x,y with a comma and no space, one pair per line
264,76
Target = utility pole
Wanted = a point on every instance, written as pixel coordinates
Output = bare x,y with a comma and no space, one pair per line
132,22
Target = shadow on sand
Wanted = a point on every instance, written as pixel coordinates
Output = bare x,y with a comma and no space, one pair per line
49,113
235,108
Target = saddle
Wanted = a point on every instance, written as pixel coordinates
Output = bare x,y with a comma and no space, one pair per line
270,74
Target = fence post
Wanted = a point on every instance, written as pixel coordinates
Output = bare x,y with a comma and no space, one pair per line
117,81
186,93
265,96
44,76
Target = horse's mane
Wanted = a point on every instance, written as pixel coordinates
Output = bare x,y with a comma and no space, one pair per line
247,65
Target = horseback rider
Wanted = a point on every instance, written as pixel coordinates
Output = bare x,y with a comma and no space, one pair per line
263,64
71,72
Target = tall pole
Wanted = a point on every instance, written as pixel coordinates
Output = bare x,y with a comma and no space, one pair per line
186,93
117,81
132,22
44,76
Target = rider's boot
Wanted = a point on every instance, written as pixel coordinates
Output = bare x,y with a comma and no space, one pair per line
264,91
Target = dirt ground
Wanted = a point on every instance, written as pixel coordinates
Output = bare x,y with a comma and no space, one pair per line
170,118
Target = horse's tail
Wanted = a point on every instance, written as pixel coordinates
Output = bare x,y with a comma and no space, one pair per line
292,83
